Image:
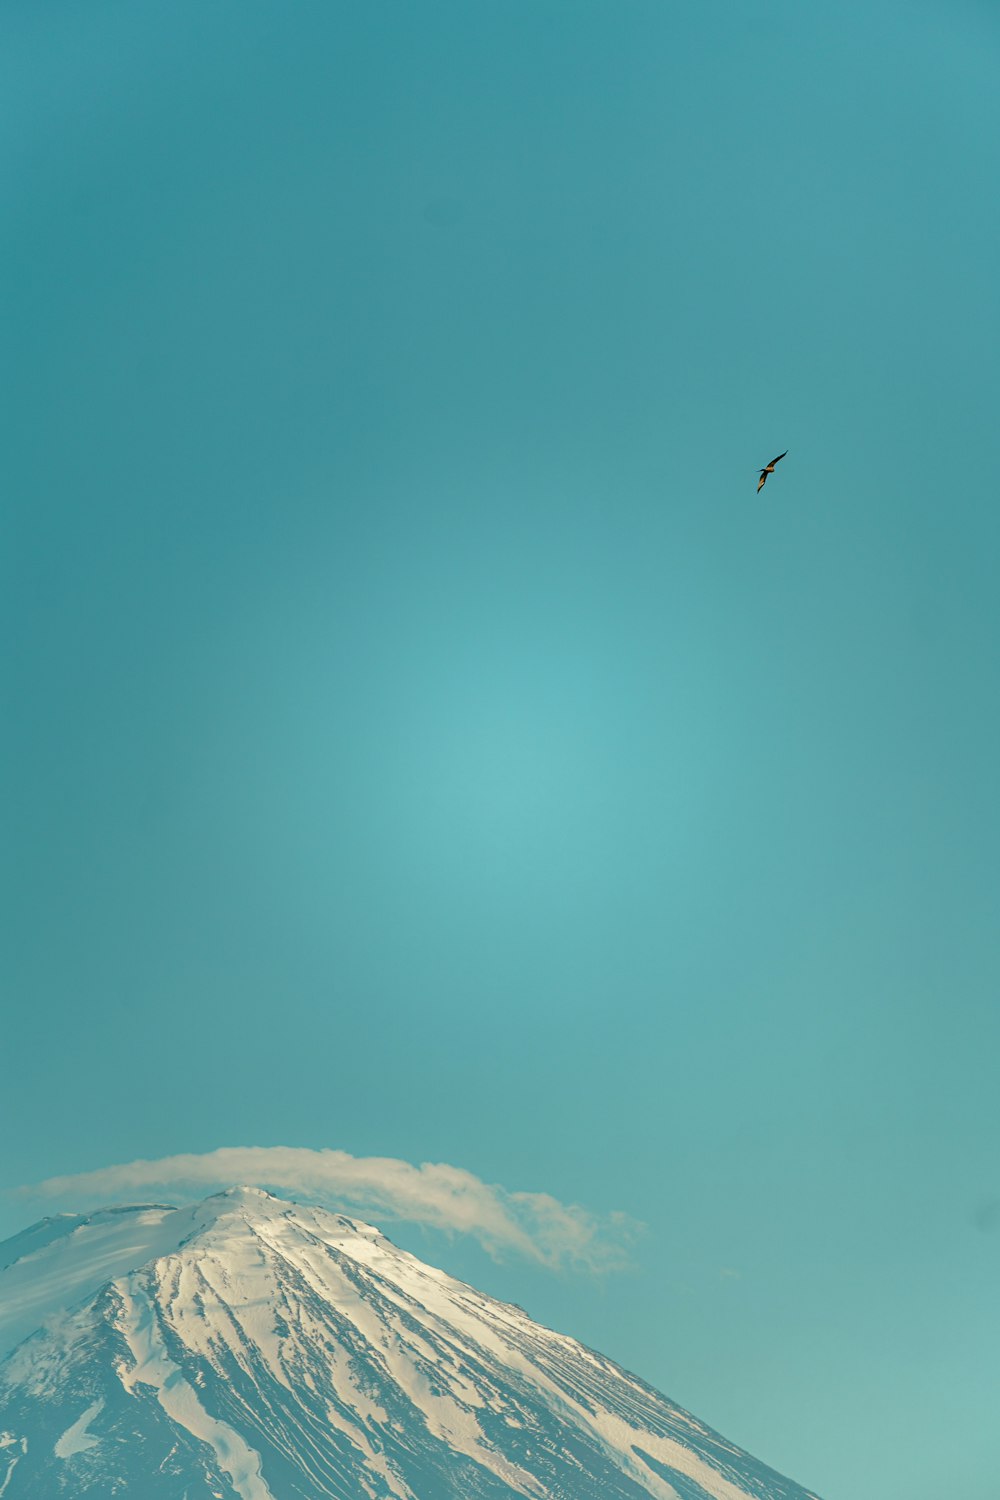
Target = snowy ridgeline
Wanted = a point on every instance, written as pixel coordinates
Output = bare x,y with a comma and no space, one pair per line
250,1347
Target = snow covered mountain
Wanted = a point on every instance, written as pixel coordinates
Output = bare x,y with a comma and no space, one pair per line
251,1347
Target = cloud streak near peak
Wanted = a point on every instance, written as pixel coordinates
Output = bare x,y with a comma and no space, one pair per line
534,1225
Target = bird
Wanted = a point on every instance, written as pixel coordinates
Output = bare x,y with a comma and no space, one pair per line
769,470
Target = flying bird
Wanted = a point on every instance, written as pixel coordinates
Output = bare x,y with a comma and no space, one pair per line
769,470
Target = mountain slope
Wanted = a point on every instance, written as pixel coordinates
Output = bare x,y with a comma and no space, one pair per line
251,1347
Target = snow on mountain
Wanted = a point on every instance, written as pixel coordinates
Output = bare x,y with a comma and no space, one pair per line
250,1347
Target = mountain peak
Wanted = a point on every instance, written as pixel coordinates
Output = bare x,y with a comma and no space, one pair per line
245,1191
249,1346
253,1201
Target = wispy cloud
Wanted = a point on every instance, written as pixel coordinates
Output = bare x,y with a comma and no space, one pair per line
443,1197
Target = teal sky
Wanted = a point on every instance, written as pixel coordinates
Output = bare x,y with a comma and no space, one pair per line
419,739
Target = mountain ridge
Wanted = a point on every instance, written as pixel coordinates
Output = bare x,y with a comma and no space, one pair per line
251,1347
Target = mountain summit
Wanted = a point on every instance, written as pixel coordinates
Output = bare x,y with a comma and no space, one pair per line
255,1348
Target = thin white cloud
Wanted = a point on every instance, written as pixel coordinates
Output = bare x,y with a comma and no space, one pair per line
443,1197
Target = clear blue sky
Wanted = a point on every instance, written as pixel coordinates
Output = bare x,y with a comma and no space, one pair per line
420,740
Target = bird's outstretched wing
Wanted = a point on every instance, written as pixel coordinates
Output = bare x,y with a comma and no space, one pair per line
777,460
762,481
